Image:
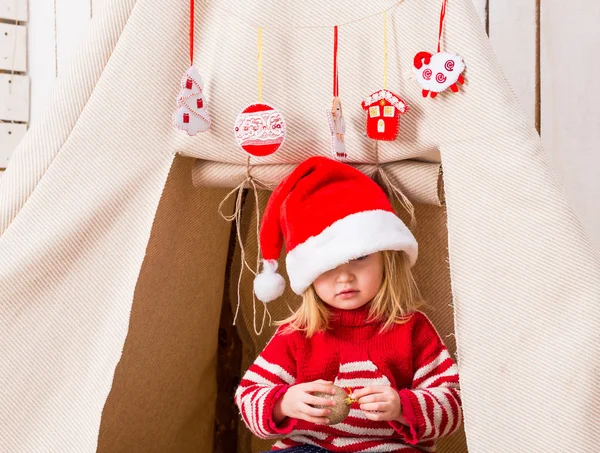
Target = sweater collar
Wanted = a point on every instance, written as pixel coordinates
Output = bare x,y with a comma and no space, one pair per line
356,317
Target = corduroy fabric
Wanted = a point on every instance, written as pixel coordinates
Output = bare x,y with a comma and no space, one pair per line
78,201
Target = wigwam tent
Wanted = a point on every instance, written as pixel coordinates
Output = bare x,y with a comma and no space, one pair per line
115,265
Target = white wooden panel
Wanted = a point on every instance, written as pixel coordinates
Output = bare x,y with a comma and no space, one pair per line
13,47
14,97
481,7
513,34
569,46
13,10
41,54
72,21
10,136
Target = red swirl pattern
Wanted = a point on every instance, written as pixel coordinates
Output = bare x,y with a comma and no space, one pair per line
449,65
440,77
427,74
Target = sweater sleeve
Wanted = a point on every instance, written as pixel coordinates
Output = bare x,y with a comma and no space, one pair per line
432,406
267,379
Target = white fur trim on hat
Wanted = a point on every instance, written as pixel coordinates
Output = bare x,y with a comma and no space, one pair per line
269,285
349,238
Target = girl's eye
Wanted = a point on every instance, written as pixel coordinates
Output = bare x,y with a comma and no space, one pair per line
360,258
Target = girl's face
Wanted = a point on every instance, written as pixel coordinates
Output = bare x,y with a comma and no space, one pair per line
353,284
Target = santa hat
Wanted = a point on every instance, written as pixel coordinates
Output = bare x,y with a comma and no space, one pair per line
328,213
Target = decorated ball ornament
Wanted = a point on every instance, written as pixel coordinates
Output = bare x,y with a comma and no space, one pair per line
342,399
383,114
260,129
438,72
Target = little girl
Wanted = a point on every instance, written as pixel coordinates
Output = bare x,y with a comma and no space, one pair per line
358,327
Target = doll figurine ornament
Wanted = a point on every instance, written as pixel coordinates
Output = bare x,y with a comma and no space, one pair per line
337,126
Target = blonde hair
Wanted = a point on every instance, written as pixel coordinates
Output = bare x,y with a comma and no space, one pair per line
397,298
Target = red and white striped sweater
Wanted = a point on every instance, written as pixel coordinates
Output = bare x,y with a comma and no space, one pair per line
409,357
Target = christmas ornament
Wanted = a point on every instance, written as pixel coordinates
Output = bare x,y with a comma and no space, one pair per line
440,71
342,404
335,117
337,126
260,129
384,107
191,115
383,114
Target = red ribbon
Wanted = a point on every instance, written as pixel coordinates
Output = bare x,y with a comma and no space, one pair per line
191,32
442,16
335,69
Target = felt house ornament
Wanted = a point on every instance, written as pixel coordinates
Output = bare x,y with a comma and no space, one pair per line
383,114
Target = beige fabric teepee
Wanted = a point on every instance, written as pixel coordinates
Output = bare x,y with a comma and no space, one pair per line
113,259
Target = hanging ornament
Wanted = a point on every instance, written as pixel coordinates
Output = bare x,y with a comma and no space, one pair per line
191,116
260,128
335,116
440,71
383,114
384,107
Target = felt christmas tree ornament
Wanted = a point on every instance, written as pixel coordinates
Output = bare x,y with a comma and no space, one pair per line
328,213
191,115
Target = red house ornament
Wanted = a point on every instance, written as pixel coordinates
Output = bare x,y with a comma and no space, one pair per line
383,114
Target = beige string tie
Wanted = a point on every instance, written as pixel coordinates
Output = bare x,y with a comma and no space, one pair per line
237,216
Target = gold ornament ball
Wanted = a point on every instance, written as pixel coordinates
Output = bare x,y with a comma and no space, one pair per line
342,404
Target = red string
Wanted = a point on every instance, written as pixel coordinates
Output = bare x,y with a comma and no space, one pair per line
335,70
191,32
442,16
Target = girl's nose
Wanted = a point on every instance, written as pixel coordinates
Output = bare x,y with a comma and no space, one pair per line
345,275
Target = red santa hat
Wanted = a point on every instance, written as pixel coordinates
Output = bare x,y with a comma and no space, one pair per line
328,213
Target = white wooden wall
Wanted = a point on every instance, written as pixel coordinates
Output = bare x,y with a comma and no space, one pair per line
53,38
547,50
14,83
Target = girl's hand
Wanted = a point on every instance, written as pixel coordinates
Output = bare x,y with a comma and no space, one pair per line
379,403
295,402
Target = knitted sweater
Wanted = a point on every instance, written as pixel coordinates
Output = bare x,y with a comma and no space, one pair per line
409,357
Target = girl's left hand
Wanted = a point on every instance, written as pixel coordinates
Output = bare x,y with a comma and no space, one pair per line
379,402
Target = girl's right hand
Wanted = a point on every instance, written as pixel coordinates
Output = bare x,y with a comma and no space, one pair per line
295,402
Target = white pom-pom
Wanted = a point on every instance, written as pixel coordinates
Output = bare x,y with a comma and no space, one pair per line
269,285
